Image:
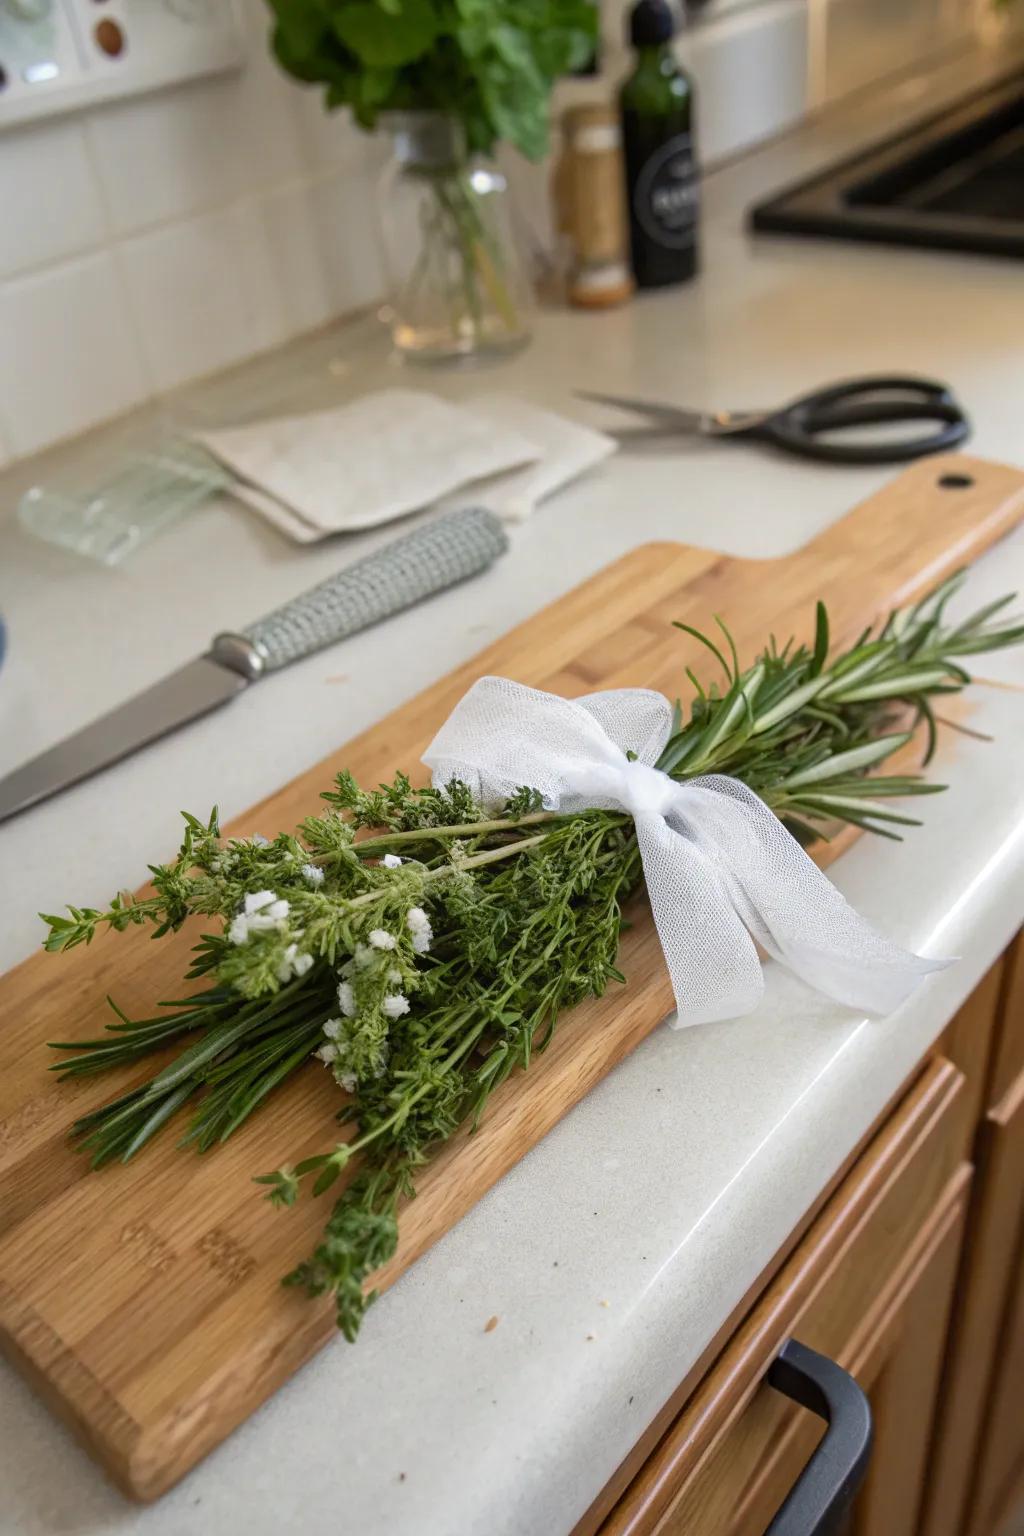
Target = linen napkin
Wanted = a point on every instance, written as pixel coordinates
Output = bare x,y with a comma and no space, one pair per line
566,450
398,451
359,465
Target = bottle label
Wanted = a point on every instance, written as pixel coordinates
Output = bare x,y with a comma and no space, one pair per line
665,196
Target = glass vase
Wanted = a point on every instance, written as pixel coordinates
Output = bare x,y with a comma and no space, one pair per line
457,285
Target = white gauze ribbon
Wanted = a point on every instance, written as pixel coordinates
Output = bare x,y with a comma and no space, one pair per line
721,869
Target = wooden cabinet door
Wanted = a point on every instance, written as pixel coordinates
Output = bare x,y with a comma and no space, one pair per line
1001,1462
881,1251
896,1357
999,1451
960,1493
903,1378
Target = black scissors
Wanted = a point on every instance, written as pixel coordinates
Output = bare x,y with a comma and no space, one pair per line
803,426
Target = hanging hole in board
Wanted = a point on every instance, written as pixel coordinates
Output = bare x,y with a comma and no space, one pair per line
956,482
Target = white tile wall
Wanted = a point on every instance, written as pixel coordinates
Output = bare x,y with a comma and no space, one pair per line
179,152
49,195
153,240
70,354
298,259
739,100
202,293
328,139
346,222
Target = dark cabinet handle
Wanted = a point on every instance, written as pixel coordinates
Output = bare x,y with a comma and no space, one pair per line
818,1501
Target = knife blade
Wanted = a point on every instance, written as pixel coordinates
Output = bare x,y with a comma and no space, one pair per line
423,562
193,690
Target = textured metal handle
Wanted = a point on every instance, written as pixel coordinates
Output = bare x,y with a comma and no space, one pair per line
428,560
820,1499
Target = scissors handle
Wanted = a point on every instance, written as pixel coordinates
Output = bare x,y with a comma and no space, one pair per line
878,401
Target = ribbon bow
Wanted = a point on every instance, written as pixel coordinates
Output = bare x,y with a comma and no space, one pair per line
721,869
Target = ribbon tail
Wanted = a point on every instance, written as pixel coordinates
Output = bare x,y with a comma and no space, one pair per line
860,967
795,912
712,960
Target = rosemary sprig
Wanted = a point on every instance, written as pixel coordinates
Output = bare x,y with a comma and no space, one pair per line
431,958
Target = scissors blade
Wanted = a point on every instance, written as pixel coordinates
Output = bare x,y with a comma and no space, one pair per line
664,418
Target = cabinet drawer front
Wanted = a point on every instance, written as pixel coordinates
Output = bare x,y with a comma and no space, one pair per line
737,1445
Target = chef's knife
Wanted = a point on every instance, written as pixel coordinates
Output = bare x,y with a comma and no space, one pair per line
425,561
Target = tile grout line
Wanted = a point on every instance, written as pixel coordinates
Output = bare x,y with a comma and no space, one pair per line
112,239
112,248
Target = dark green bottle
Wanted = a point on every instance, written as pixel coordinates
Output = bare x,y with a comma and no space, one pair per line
656,103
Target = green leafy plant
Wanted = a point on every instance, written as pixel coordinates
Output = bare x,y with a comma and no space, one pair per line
425,949
490,64
485,66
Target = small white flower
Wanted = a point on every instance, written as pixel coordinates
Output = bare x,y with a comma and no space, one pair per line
215,866
347,1081
327,1054
293,964
259,841
367,956
395,1005
258,900
332,1028
278,910
394,976
418,924
284,970
347,999
239,930
312,874
391,861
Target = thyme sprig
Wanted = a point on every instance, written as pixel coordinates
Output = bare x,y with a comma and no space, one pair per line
424,946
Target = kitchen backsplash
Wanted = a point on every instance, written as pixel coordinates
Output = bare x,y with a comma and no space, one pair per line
145,243
148,242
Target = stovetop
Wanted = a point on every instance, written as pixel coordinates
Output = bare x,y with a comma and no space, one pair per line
955,182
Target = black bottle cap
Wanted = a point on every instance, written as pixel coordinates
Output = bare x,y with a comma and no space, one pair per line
651,22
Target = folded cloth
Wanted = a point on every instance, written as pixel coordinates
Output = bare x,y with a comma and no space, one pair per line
566,451
358,465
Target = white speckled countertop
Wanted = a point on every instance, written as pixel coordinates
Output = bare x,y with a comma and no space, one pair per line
643,1218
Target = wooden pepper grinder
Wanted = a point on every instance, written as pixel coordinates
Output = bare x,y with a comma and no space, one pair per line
593,213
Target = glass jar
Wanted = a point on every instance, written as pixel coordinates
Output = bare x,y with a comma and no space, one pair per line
457,285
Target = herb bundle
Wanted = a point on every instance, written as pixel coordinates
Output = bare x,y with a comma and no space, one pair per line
423,946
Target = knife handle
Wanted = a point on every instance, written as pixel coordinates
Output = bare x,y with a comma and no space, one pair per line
422,562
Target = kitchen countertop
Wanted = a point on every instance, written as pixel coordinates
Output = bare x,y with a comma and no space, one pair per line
614,1251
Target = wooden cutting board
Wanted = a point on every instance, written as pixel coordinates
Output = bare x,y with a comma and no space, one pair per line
144,1300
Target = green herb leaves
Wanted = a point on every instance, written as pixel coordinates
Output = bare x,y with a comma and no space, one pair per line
386,37
490,64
